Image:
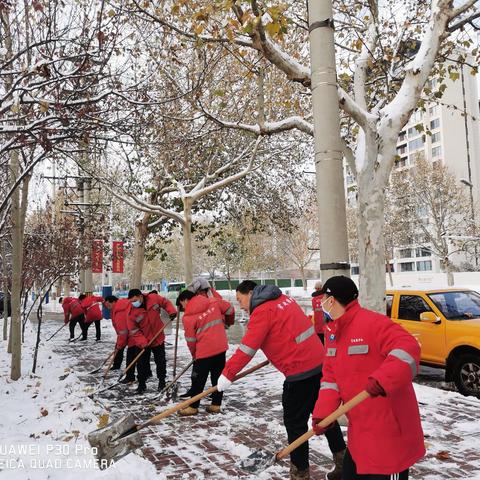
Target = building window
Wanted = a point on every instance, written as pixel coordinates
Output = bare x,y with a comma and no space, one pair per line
422,252
402,149
414,131
405,253
433,110
435,124
407,267
401,136
401,162
424,266
417,143
354,270
436,137
436,152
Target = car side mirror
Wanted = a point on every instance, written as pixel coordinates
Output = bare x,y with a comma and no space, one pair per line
429,317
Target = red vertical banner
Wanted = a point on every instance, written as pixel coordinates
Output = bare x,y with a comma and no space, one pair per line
97,256
117,257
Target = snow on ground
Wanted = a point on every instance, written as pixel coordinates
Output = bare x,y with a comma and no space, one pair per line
44,421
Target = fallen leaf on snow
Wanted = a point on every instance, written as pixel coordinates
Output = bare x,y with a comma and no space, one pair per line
103,420
44,412
443,455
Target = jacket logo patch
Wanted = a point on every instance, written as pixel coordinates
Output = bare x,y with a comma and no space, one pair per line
332,337
331,352
357,340
357,349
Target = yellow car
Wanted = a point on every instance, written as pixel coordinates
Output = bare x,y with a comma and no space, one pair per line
446,322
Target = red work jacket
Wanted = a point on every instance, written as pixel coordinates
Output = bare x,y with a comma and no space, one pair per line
91,306
318,319
119,313
136,325
71,308
153,323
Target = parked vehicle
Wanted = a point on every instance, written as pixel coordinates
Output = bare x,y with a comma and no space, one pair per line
446,323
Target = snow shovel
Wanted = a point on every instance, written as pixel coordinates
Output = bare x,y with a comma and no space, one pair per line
119,438
103,363
260,460
51,336
132,363
75,339
174,383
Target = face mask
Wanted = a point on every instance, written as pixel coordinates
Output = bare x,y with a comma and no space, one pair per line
137,303
326,313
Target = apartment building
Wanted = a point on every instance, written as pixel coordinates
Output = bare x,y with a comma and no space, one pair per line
441,133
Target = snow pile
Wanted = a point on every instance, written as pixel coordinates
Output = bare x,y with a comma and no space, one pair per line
44,420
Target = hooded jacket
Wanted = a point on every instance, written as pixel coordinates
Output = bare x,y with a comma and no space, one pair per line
280,328
204,328
384,433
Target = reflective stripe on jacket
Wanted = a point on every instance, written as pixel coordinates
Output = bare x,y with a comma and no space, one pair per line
384,433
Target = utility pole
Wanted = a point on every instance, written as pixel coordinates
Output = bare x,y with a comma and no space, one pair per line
88,285
328,146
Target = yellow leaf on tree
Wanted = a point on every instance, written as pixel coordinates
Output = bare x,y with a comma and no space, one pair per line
44,106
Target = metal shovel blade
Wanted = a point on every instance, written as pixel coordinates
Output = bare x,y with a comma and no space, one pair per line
258,461
109,446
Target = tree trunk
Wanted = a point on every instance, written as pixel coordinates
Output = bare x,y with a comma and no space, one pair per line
371,248
448,270
187,240
6,296
141,233
16,326
304,281
389,269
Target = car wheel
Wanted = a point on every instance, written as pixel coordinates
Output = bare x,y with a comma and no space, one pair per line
466,374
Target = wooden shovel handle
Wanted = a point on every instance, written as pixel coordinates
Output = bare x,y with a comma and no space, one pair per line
111,357
324,423
188,402
132,363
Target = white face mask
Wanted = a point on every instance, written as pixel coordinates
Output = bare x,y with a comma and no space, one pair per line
326,313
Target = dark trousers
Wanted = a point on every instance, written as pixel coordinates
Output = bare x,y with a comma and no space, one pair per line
298,400
80,319
321,336
350,472
141,365
203,367
117,361
160,361
97,329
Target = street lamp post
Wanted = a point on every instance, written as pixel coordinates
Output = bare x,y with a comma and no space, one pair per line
469,184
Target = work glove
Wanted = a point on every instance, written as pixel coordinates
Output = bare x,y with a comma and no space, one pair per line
223,383
374,389
317,428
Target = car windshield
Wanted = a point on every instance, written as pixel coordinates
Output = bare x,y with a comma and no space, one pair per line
457,305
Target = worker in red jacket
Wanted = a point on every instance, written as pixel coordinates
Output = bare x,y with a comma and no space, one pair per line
318,320
93,313
201,286
74,313
119,309
137,325
207,341
155,303
367,351
280,328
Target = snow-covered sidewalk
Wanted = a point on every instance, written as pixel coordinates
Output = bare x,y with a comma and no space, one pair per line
203,447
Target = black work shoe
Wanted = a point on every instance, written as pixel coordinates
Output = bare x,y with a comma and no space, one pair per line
83,339
187,394
140,389
149,374
97,339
